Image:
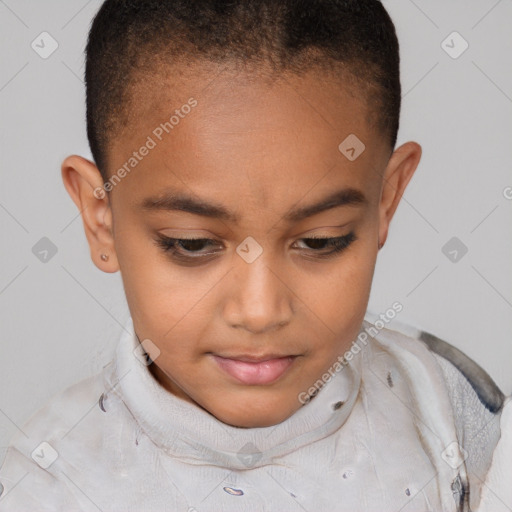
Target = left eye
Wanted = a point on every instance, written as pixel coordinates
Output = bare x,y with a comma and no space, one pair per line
328,246
318,244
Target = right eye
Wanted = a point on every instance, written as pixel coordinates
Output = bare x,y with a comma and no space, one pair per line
186,247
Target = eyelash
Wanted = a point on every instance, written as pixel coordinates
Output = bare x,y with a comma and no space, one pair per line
170,245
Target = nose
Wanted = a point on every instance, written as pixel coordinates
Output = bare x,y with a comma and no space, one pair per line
257,298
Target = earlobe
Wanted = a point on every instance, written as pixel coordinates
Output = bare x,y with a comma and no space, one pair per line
399,171
84,184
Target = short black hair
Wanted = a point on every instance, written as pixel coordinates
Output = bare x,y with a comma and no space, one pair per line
130,37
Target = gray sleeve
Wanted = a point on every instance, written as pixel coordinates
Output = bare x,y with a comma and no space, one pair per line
477,407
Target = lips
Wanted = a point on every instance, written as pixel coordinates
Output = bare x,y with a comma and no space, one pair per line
255,371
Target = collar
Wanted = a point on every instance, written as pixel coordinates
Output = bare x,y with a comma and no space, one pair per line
183,429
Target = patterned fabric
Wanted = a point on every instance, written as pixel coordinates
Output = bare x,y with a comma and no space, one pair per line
398,427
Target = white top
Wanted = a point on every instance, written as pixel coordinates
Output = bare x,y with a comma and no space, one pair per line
381,435
496,495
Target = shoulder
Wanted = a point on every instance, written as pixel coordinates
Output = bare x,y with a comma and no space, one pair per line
477,403
476,400
34,459
461,370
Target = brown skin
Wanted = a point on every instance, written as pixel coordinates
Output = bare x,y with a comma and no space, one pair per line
259,149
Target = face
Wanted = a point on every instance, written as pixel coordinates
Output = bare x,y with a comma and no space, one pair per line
245,238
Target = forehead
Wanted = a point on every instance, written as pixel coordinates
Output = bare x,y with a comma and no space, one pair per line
255,135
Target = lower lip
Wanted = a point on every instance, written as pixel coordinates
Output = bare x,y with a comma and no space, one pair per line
264,372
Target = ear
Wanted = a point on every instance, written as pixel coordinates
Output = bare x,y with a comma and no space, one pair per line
399,171
84,184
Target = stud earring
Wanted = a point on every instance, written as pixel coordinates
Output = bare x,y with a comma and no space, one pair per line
104,257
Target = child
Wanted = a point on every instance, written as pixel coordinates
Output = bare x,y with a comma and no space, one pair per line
244,178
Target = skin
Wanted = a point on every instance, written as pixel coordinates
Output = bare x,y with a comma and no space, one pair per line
259,148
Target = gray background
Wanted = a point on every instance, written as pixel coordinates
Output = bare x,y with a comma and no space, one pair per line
61,318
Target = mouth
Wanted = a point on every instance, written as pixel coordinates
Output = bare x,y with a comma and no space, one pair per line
255,370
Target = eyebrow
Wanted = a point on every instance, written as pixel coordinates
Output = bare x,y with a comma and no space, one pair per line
343,197
179,201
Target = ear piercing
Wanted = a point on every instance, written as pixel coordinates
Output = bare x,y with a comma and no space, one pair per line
104,257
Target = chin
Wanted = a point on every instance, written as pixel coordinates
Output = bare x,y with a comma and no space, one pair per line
250,416
257,422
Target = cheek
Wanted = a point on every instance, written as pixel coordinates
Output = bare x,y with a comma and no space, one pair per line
159,294
168,301
339,301
340,292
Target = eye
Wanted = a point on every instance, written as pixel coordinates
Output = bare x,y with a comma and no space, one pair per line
325,247
187,248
